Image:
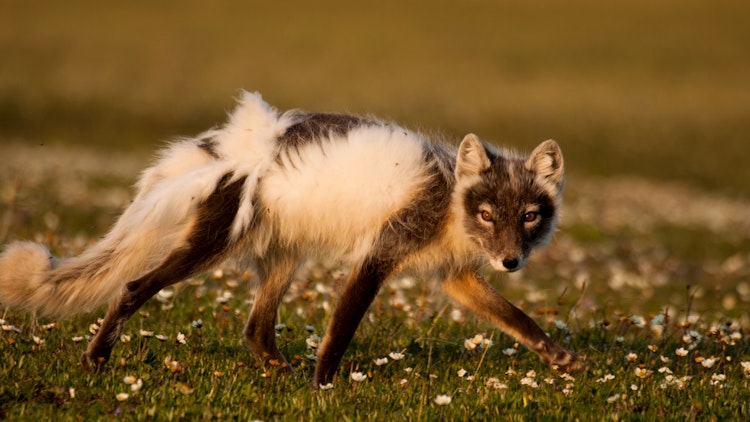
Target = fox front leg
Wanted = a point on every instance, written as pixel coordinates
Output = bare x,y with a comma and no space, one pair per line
361,288
472,291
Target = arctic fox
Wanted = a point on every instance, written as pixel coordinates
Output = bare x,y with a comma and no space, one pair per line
271,188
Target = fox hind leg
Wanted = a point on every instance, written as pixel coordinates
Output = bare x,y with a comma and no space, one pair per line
472,291
276,272
208,243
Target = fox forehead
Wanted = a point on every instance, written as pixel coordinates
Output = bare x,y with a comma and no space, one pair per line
510,188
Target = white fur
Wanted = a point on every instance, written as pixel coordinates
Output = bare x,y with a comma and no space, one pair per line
339,193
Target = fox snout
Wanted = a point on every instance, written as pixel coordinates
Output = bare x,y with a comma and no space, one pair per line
508,263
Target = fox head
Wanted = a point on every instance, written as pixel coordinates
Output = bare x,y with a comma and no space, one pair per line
509,204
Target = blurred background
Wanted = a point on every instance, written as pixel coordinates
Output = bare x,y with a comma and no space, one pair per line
650,101
654,89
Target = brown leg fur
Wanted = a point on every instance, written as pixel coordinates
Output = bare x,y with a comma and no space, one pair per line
276,276
472,291
361,288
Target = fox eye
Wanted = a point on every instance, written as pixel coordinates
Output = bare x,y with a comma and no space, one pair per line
486,215
530,217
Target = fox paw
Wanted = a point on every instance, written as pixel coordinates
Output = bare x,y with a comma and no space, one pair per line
567,361
91,363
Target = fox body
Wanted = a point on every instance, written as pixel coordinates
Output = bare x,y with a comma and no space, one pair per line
271,188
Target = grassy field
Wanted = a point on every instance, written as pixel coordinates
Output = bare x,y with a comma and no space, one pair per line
649,276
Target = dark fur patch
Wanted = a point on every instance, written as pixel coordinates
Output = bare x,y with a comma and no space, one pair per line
209,147
416,225
318,125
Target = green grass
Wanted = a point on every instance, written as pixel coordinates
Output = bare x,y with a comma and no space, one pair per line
648,100
606,275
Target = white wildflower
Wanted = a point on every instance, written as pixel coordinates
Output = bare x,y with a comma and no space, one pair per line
608,377
708,363
328,386
396,355
181,338
144,333
510,351
358,376
746,368
529,381
631,357
122,396
38,340
717,379
313,341
77,339
125,338
681,352
381,361
162,337
442,399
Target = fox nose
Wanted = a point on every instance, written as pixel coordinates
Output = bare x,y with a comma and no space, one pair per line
510,264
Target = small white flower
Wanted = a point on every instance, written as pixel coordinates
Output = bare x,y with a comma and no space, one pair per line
442,399
510,351
561,325
72,392
129,379
279,327
381,361
681,352
328,386
161,337
567,377
181,338
469,345
612,399
144,333
403,382
692,337
396,355
313,341
122,396
461,372
631,357
608,377
77,339
665,370
529,381
717,379
125,338
358,376
746,368
708,363
531,373
137,385
633,387
38,340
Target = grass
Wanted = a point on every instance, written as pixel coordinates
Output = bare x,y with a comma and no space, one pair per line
648,100
629,293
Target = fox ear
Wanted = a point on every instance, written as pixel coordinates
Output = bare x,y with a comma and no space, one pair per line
546,160
472,157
